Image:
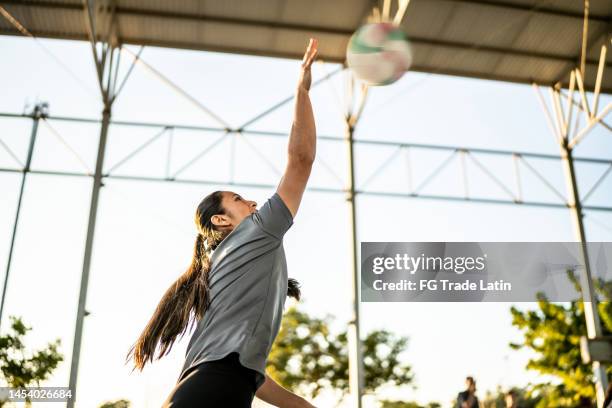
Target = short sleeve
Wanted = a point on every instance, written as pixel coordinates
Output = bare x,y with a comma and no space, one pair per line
274,217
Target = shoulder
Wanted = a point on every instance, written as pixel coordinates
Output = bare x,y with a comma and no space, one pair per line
274,216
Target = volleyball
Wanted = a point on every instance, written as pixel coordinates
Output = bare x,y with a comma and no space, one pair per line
379,53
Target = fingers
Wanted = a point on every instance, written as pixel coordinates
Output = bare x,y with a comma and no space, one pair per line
308,49
311,53
313,48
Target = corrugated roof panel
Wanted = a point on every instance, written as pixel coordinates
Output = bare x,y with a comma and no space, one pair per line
252,9
235,36
72,22
256,9
325,12
528,67
597,39
287,41
552,35
490,26
602,7
516,40
462,60
422,54
63,22
163,5
67,2
427,19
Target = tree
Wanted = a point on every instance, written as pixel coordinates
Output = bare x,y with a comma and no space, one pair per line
307,357
19,370
401,404
496,399
116,404
553,332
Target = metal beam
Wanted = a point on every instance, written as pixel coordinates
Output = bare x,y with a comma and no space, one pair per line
90,24
579,106
97,184
540,204
355,352
602,33
257,133
590,125
590,301
37,115
589,298
182,92
284,102
91,227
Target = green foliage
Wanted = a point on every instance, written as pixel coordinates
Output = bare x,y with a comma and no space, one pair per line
18,370
116,404
307,357
401,404
381,350
525,399
553,332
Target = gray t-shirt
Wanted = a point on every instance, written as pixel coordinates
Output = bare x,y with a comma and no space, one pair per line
248,288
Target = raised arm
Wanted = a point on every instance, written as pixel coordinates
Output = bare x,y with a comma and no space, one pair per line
302,139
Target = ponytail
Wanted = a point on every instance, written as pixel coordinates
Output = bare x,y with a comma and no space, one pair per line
189,293
293,289
172,316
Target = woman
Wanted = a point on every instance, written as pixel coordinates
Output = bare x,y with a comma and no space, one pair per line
236,285
468,398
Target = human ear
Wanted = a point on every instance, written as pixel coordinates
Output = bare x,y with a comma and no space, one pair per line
219,220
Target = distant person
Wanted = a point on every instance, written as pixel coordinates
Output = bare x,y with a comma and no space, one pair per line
468,398
511,399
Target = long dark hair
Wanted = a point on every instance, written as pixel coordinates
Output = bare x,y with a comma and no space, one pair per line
189,293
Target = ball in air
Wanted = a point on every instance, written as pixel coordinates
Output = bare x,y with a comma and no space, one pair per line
379,53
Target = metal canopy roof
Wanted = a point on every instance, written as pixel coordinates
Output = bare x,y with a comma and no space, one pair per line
509,40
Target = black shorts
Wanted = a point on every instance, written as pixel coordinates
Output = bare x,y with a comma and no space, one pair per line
215,384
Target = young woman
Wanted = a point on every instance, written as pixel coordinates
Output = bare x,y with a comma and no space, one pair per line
236,285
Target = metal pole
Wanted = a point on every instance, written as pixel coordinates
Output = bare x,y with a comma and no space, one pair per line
591,315
39,112
354,340
93,210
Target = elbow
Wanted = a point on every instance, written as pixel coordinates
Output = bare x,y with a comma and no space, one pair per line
302,159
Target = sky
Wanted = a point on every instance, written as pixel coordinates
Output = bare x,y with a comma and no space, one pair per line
145,232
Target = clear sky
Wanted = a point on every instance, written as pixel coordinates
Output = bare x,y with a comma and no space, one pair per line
145,232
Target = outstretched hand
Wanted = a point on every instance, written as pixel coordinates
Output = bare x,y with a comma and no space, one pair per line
309,56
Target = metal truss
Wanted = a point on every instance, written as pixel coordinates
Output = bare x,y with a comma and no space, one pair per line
100,18
523,167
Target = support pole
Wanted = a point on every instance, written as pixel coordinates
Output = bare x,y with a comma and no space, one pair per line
566,146
354,109
93,211
38,113
106,81
354,339
591,314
